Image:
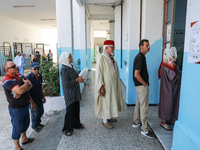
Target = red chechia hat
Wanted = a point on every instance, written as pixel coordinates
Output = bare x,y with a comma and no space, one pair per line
109,42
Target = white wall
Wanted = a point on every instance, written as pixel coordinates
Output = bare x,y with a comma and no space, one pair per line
133,24
99,41
112,31
15,31
118,27
88,34
64,23
152,20
49,36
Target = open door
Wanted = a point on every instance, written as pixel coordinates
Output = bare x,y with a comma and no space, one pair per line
174,26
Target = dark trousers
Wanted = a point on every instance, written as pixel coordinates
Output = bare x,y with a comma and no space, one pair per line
72,117
36,115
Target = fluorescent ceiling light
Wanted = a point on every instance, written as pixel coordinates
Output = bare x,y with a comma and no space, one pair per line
47,19
24,6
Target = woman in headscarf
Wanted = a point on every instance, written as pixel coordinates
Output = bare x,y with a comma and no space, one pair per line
71,89
21,68
170,84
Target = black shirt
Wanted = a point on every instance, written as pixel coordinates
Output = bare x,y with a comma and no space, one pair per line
140,64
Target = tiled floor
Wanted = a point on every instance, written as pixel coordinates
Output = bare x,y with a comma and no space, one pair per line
165,137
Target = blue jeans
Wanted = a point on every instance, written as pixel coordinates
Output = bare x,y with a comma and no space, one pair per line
36,115
20,121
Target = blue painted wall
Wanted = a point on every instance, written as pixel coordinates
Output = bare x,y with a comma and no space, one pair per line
76,58
186,131
60,51
126,72
92,54
83,58
89,58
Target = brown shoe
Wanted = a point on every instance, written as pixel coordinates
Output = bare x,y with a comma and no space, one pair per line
107,125
112,120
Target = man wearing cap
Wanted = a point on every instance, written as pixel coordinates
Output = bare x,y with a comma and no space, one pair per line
16,88
108,94
37,95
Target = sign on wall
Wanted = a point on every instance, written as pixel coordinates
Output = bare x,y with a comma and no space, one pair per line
194,50
179,36
28,52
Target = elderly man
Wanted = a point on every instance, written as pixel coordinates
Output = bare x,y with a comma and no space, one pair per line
108,94
16,89
141,80
37,95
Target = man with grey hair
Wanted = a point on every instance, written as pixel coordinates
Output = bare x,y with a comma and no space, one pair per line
108,93
16,88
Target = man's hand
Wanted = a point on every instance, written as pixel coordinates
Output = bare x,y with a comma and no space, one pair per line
44,100
145,85
33,106
25,81
17,95
80,80
102,91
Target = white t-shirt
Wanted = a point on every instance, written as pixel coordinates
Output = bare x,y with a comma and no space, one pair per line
50,55
18,60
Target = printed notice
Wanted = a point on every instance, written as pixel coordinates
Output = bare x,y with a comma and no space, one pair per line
194,50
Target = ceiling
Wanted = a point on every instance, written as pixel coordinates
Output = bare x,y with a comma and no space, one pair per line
43,14
44,9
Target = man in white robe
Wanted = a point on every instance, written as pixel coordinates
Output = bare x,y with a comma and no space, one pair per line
108,94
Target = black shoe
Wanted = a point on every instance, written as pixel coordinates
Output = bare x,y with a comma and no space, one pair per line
148,134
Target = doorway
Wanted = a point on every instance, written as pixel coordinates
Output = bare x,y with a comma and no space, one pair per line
174,27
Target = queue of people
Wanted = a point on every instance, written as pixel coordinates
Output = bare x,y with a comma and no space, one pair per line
108,94
24,93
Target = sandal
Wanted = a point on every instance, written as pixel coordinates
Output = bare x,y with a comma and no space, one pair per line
81,127
166,127
67,132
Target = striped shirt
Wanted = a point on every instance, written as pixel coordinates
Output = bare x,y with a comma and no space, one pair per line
71,87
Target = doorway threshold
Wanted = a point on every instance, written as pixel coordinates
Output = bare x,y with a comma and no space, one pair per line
165,137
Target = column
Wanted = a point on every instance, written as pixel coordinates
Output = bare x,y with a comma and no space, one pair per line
64,28
88,44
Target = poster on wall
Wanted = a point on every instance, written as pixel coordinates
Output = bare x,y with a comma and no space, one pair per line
194,49
28,52
179,37
168,32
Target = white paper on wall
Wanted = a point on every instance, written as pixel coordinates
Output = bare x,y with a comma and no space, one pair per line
194,49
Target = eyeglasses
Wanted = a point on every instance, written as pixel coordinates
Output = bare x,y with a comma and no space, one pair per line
14,66
36,69
112,47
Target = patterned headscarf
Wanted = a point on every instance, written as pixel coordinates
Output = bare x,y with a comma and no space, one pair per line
64,59
170,54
